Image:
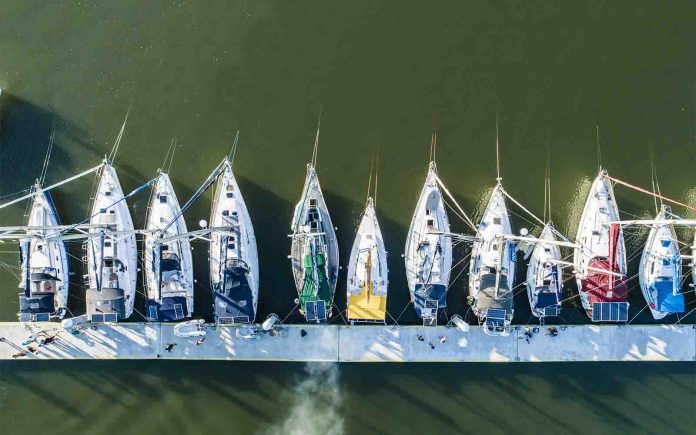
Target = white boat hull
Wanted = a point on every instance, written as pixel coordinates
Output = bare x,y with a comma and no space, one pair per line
109,208
309,242
660,262
43,255
367,269
428,251
545,275
593,237
237,245
163,207
492,265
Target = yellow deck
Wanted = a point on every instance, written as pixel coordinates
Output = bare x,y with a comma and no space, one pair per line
367,307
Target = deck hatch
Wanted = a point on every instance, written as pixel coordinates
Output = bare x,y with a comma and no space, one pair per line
178,311
551,311
152,312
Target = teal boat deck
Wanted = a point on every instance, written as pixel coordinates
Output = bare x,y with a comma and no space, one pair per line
310,291
333,343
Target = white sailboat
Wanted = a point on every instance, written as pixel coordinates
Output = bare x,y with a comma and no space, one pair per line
234,261
168,266
112,259
367,280
600,259
492,267
545,276
660,269
45,274
314,251
428,251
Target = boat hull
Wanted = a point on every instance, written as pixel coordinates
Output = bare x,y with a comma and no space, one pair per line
169,292
367,279
600,261
314,250
545,277
492,267
659,272
233,258
112,261
37,255
428,250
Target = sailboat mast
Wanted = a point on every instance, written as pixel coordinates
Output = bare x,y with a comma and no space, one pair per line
101,263
160,248
369,184
613,239
497,149
368,274
315,271
315,152
376,180
27,285
498,268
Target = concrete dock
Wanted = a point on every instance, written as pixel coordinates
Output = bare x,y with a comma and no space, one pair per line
334,343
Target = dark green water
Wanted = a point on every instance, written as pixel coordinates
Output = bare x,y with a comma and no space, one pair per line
386,74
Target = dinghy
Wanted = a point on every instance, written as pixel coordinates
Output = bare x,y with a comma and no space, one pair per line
545,276
190,328
44,265
168,266
314,251
660,269
492,267
112,257
600,259
367,271
428,252
234,261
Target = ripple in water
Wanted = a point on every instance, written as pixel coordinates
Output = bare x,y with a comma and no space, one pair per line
575,205
315,406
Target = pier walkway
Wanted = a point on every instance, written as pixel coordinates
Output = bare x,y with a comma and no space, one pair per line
353,343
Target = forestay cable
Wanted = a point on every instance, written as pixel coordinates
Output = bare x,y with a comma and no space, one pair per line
88,218
206,184
466,216
60,183
640,189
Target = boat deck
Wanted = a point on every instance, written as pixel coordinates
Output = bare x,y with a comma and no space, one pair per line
364,343
366,306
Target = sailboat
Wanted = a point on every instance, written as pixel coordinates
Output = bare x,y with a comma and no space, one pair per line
428,252
600,259
367,280
44,264
545,276
314,251
112,257
168,266
234,261
492,267
660,269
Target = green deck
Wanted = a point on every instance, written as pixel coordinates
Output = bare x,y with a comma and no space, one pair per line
323,290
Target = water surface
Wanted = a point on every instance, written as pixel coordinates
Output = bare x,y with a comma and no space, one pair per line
386,74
